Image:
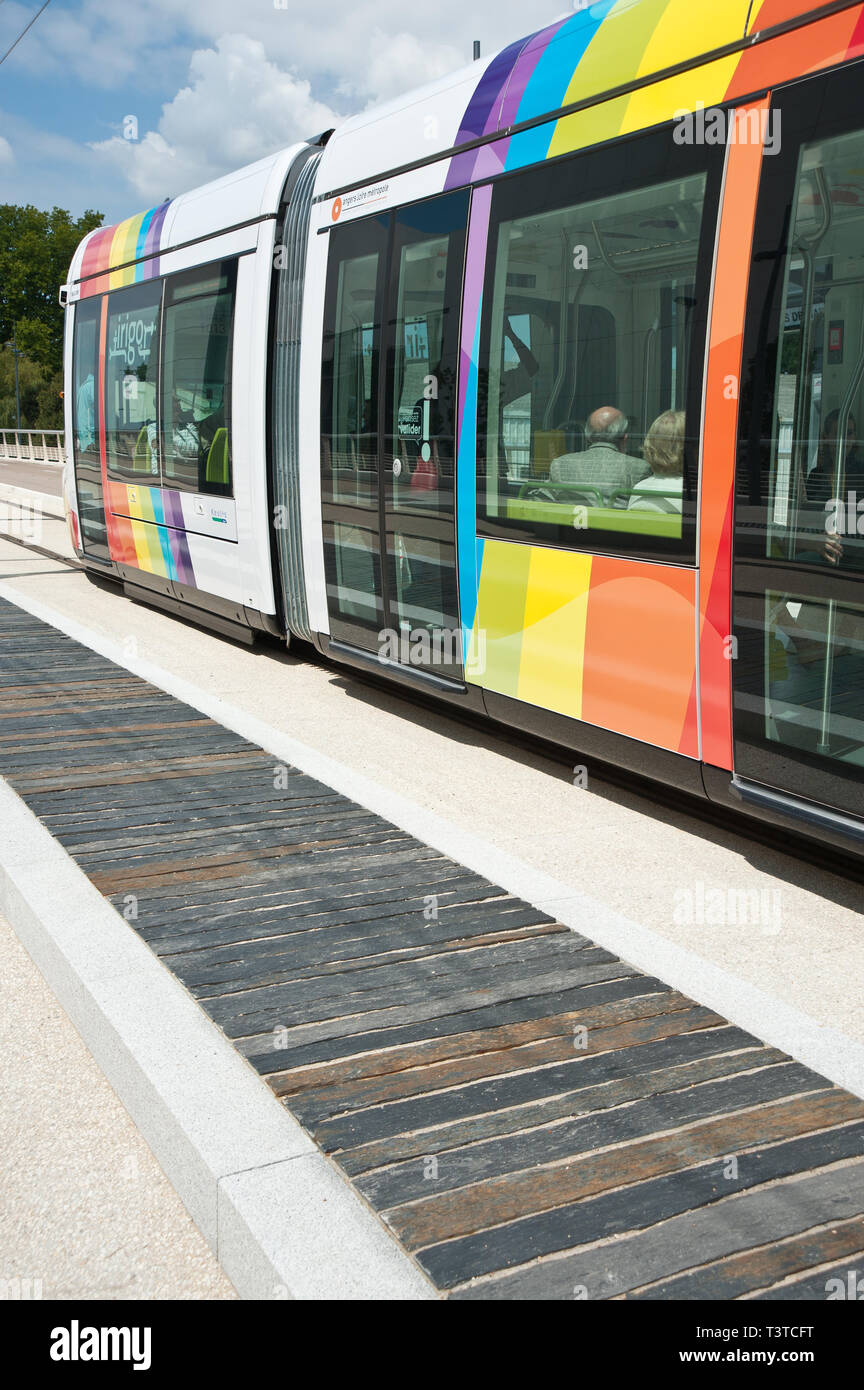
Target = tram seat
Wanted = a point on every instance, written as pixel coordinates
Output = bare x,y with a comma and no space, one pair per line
142,457
568,494
216,470
636,500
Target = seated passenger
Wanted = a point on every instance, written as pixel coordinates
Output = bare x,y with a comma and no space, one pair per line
604,464
664,453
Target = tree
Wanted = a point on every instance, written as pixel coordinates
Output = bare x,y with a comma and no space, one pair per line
41,401
36,248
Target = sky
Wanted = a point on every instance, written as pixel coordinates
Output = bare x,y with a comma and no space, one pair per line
205,86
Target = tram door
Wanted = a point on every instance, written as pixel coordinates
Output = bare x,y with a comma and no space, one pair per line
85,416
799,531
388,433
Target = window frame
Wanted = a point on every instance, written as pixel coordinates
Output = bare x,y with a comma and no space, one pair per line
624,166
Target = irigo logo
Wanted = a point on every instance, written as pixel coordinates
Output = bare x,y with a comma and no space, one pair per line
77,1343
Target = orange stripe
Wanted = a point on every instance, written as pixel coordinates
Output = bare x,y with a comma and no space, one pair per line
640,651
720,439
813,46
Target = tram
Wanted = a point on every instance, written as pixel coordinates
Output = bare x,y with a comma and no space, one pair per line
537,390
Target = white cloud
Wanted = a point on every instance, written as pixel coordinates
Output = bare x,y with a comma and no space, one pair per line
398,62
7,154
238,107
291,73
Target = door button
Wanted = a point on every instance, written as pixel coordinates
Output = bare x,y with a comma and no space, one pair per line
397,467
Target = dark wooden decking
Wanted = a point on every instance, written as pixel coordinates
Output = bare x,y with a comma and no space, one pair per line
531,1117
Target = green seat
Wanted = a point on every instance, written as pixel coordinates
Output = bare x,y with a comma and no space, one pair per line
664,502
143,455
216,471
572,494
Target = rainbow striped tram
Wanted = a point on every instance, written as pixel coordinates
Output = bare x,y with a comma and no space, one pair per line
539,389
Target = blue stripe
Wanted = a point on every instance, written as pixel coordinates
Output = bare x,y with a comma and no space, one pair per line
549,82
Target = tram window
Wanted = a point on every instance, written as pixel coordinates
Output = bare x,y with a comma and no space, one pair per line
196,379
85,356
810,518
351,433
590,338
131,373
85,422
349,427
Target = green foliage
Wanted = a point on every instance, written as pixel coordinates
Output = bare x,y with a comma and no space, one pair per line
35,251
41,402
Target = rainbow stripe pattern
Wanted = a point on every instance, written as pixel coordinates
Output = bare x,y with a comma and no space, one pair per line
609,641
122,255
598,638
617,42
147,530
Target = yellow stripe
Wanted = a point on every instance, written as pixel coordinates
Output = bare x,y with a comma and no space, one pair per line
658,34
123,244
142,550
553,647
686,28
664,100
497,637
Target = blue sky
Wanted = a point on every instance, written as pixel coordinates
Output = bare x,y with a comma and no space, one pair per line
212,84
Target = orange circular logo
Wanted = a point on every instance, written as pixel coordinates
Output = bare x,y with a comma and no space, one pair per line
336,210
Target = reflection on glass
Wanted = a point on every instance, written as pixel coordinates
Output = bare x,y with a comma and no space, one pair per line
591,328
196,383
85,424
131,375
351,447
814,645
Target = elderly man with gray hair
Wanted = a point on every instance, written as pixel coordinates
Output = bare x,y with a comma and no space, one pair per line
605,464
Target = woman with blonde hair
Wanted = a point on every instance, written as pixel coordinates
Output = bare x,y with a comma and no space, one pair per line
664,453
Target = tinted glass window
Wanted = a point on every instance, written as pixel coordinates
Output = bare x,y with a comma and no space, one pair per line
196,383
85,419
349,429
800,512
594,343
131,376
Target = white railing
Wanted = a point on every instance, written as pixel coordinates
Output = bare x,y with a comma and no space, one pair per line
33,446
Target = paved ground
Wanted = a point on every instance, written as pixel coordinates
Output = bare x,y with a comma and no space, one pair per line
84,1207
656,866
36,477
530,1116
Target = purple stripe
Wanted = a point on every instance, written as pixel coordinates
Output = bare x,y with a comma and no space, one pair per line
523,69
475,264
481,116
154,234
490,160
486,93
179,543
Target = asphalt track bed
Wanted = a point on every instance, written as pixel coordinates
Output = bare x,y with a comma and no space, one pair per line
530,1116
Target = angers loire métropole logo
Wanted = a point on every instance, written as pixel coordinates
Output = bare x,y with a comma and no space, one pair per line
77,1343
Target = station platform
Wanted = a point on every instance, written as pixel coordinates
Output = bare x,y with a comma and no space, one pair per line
526,1114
